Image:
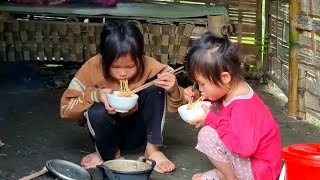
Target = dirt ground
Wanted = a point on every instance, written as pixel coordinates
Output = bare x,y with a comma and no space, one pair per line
33,132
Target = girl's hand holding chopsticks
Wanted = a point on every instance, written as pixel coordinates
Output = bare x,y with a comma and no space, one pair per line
188,93
167,81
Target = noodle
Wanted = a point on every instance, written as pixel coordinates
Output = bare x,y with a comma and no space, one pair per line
197,103
124,88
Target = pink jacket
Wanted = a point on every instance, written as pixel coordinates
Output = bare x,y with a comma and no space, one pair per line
247,127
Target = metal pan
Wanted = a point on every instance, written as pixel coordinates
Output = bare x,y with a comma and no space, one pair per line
66,170
63,169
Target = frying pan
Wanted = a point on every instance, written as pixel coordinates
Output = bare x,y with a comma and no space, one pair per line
63,169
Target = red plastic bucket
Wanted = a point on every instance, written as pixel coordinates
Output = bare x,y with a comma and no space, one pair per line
302,161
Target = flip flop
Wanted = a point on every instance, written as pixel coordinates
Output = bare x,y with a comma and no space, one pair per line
210,175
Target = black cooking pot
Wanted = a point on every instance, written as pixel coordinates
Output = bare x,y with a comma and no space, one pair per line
127,169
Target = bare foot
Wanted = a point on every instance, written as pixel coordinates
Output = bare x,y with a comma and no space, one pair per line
94,159
164,165
91,160
212,174
197,176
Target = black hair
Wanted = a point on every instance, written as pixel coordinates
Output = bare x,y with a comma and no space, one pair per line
119,39
211,55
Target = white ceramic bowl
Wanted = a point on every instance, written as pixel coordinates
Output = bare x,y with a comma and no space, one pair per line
196,112
122,104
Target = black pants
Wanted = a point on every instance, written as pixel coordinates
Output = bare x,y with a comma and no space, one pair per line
111,132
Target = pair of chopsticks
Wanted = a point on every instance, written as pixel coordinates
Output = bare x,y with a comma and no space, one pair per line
191,98
175,72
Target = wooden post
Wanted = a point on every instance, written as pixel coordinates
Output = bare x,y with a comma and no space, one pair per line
301,110
215,24
259,35
293,60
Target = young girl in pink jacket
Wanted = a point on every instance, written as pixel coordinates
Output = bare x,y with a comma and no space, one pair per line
239,134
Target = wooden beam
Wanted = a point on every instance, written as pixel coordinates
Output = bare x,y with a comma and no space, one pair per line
293,60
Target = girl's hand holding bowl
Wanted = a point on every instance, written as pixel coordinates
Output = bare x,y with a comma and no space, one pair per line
121,104
196,115
103,95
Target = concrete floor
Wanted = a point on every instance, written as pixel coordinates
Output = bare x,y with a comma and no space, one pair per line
33,133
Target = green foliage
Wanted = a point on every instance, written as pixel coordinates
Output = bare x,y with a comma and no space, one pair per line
262,44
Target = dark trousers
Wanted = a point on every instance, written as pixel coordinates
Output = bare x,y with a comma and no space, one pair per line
111,132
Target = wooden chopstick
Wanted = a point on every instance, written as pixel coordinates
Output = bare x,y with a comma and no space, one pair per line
191,98
143,87
175,72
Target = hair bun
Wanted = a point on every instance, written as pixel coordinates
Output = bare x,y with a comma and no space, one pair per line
228,29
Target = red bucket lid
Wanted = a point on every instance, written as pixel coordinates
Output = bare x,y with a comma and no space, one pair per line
306,154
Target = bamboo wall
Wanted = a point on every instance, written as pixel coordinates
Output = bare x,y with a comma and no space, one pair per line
58,41
244,14
278,35
308,24
307,76
33,42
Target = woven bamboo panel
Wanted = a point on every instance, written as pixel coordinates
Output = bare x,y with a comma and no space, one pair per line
307,8
304,22
167,43
312,101
283,53
306,54
242,13
48,41
285,76
313,87
309,50
279,9
280,29
280,71
22,40
278,50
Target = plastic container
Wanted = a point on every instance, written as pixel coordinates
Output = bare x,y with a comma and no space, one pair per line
302,161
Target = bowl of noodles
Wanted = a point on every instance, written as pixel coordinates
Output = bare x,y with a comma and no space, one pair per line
124,100
194,111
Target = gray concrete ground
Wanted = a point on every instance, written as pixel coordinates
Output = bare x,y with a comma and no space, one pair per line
33,132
